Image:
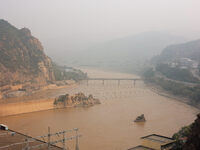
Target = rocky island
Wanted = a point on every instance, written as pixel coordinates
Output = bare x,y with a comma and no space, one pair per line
140,118
76,100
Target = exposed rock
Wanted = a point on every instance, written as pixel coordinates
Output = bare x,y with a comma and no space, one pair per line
193,140
15,94
188,137
22,59
140,118
78,99
26,31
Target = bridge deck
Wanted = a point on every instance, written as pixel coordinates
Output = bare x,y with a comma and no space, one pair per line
114,79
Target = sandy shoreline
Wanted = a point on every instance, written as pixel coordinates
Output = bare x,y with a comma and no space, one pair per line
38,95
39,101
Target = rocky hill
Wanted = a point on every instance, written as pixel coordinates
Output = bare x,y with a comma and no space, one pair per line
193,140
127,53
177,71
24,67
190,50
180,62
22,59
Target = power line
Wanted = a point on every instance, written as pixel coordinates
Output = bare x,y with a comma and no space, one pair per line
49,142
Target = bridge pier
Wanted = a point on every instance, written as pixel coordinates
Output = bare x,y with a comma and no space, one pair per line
134,82
103,82
118,82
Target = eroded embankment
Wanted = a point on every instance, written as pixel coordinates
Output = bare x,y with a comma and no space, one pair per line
16,108
39,101
26,107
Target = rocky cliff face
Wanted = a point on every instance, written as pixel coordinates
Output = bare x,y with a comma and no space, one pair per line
22,59
188,138
193,142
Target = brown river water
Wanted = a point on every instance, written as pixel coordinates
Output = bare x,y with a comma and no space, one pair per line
110,126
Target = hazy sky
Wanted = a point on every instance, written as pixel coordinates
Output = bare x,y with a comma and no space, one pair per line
82,22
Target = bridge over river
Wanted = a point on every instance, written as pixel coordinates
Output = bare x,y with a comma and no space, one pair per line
115,79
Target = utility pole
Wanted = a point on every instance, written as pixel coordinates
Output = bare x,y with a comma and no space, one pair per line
77,147
50,142
49,135
26,148
134,82
64,140
118,82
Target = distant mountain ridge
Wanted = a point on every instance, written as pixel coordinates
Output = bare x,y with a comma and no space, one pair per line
127,52
22,58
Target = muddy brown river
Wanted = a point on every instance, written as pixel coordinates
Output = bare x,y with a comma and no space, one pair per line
110,126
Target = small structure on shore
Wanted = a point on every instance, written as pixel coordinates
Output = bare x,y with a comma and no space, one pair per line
3,127
140,118
155,142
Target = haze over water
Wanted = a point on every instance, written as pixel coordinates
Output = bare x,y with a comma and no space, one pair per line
110,125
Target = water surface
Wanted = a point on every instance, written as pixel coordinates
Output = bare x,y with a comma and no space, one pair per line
110,126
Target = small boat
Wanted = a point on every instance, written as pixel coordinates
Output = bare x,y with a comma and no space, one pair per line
140,118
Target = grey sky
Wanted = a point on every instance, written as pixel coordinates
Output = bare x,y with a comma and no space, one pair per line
82,22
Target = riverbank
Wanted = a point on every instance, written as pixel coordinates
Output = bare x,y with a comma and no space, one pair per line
160,91
49,91
39,101
26,107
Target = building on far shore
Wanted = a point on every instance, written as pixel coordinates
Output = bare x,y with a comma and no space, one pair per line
155,142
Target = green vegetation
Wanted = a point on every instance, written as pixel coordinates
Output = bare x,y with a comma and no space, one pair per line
63,98
178,89
181,137
149,73
188,137
176,73
73,74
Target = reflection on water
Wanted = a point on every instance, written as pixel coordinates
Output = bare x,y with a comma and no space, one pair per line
110,125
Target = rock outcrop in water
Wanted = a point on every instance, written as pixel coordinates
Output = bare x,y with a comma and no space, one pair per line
140,118
78,99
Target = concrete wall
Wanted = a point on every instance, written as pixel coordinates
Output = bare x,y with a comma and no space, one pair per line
25,107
